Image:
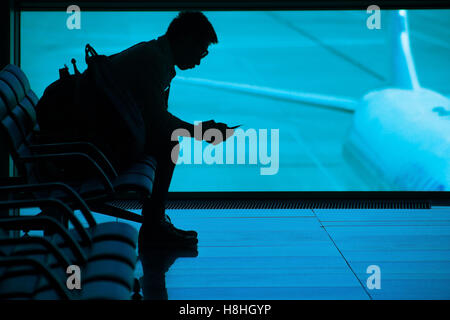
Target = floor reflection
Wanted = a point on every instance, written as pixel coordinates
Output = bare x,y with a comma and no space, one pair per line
155,263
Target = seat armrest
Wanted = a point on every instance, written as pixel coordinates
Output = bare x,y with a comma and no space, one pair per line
81,147
55,203
83,158
11,181
55,186
43,242
41,223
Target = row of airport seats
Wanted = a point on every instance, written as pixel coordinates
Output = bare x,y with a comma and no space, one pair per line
107,191
40,265
34,265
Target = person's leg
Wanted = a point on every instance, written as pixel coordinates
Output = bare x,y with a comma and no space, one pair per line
157,228
166,155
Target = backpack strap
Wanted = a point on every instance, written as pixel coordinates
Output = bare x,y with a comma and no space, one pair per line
89,53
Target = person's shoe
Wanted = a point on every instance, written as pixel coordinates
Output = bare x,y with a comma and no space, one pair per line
163,234
159,211
189,233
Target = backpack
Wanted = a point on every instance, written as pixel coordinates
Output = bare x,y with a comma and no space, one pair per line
90,107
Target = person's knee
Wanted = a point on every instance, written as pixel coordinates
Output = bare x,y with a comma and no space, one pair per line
170,145
175,151
164,149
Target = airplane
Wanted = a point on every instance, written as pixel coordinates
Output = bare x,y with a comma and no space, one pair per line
400,136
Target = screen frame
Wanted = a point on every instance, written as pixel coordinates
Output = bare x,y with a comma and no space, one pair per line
205,5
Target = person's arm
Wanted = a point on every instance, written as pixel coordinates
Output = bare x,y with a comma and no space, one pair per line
176,123
157,110
190,130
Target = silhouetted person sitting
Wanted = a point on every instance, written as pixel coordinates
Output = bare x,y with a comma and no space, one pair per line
146,71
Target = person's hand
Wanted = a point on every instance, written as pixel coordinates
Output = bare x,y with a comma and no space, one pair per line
205,125
218,132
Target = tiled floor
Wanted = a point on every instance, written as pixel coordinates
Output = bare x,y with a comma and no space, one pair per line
307,254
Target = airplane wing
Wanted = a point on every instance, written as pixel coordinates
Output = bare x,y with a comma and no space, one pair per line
343,104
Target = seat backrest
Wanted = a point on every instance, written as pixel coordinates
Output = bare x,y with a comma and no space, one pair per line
17,141
25,98
19,123
31,100
32,97
8,96
14,84
9,107
20,75
3,110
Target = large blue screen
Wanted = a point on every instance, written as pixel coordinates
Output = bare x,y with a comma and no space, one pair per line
324,97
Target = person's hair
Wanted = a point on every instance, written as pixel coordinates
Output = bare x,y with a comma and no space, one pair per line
194,24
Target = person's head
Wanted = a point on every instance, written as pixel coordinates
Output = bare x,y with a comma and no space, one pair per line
190,35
